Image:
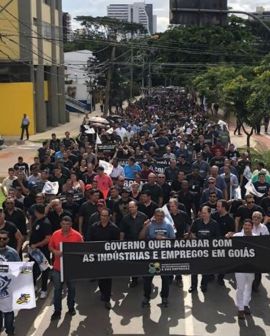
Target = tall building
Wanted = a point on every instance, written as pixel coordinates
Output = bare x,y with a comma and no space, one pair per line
67,30
78,80
262,14
32,72
179,13
138,12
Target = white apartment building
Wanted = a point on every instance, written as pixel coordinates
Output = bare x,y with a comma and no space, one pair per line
138,12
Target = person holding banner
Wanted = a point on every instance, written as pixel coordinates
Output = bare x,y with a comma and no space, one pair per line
204,228
157,228
259,229
104,230
38,242
131,226
244,280
8,254
65,235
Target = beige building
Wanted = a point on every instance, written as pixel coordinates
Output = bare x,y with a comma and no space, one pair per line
31,65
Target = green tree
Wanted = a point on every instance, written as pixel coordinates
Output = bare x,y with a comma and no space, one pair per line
210,84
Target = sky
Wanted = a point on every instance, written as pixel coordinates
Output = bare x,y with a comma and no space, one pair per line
161,8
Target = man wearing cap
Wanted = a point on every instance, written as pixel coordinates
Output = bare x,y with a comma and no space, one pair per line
104,182
41,231
121,207
65,235
95,217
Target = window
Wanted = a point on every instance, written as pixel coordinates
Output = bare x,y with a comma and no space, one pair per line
46,30
14,73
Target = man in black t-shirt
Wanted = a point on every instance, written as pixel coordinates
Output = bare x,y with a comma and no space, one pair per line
226,225
121,207
39,239
154,188
147,206
87,209
15,216
246,211
204,228
104,230
15,236
55,212
131,226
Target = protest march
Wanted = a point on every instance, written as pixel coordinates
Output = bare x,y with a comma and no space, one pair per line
157,190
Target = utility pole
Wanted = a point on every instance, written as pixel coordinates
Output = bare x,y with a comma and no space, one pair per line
149,75
131,73
143,69
108,84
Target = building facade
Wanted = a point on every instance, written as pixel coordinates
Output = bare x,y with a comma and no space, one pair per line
78,81
67,30
138,12
184,17
262,14
32,72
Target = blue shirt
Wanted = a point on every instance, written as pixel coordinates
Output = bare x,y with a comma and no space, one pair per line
9,254
130,171
163,229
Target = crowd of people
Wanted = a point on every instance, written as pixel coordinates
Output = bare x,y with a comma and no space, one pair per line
161,150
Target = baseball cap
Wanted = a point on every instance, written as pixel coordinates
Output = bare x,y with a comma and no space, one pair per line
125,190
88,187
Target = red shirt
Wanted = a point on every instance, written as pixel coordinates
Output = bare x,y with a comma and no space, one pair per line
72,237
104,183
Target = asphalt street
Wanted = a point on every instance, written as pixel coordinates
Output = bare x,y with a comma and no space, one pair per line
196,314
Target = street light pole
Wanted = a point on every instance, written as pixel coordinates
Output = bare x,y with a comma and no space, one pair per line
220,11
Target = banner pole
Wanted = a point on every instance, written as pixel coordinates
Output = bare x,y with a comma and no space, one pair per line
61,264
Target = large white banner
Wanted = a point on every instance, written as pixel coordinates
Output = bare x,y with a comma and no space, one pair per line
16,286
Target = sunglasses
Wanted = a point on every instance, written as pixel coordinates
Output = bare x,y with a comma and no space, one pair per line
251,202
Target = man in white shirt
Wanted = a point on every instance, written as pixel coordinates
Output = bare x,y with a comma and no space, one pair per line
8,181
244,280
121,131
259,229
117,170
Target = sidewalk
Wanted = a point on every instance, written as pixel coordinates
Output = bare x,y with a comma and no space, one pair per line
28,149
260,142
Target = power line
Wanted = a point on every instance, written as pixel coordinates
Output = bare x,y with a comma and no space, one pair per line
5,6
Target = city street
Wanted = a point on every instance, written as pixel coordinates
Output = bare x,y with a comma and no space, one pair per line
187,315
